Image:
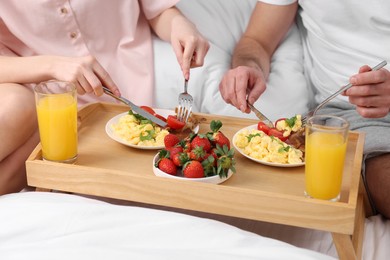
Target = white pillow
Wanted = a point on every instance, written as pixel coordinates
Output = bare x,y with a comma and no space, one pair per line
223,22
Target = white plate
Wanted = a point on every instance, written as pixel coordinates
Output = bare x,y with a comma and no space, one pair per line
115,119
213,179
261,161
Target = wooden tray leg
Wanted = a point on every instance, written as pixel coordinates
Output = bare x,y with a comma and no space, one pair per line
358,234
350,247
344,247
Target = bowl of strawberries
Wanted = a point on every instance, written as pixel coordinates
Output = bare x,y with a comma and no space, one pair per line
197,157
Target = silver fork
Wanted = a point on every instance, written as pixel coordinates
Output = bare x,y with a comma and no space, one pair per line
185,104
314,111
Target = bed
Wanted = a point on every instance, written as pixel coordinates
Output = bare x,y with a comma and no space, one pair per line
52,225
42,225
48,225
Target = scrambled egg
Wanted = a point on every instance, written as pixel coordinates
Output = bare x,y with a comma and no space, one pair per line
132,131
258,145
289,125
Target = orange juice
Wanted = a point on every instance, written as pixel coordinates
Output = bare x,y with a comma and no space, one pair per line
325,154
57,119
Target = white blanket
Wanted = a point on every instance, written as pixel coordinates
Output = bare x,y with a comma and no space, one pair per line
40,225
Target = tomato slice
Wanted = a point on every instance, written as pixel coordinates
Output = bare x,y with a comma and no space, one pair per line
276,133
148,109
174,123
261,126
160,117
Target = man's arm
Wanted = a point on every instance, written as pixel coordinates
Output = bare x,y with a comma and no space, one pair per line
252,55
267,27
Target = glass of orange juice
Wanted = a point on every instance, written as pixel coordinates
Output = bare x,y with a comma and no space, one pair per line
325,148
56,104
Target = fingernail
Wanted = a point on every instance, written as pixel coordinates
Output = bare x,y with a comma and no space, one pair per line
353,80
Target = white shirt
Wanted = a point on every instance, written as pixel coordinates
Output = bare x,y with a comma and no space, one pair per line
340,36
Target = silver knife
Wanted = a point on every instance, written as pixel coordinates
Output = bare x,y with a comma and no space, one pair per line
136,108
261,116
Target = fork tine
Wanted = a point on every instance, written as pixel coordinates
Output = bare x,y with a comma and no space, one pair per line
187,115
304,119
180,112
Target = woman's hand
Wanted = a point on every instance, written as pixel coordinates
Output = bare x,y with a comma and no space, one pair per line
370,92
188,44
85,72
240,84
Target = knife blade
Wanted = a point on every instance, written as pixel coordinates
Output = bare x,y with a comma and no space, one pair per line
136,108
261,116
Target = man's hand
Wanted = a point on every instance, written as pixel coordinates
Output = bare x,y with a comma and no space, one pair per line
370,92
240,84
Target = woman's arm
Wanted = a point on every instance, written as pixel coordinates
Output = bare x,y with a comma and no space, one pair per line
85,72
189,45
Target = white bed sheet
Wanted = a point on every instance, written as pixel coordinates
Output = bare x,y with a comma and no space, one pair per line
40,225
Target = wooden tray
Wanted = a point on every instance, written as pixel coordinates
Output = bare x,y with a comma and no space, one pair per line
107,168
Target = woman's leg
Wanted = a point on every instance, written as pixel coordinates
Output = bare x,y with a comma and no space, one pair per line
18,135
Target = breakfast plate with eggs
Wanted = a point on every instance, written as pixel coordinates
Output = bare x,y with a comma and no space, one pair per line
268,148
131,130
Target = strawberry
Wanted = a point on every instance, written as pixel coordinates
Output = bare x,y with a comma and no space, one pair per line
167,166
174,150
193,169
201,140
179,159
198,154
170,140
186,146
216,136
221,139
